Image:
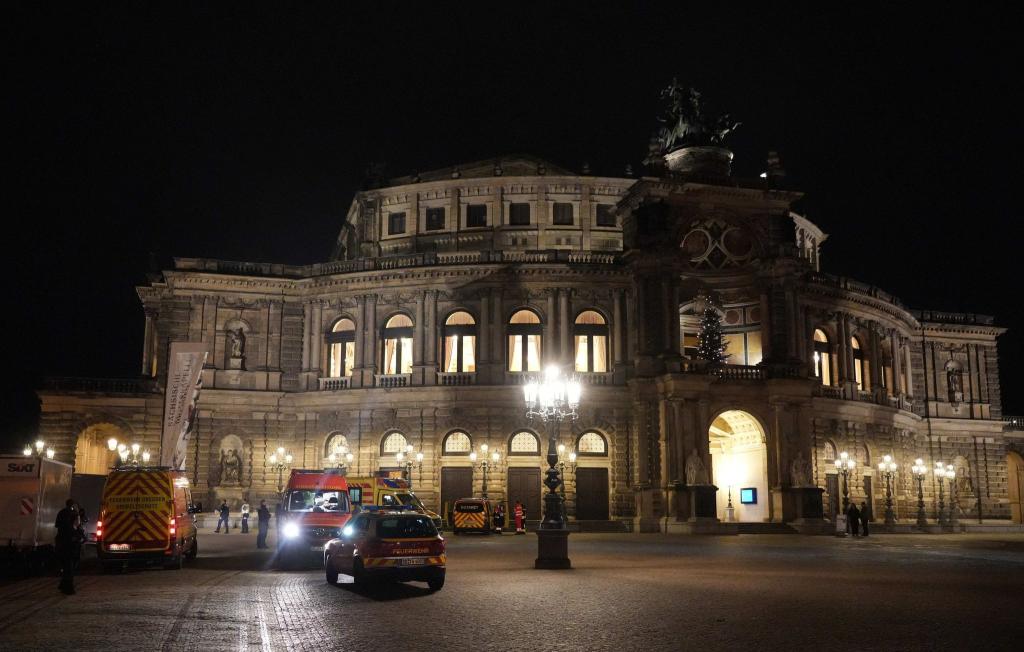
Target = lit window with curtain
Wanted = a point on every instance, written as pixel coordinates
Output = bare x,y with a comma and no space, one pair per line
397,338
341,348
590,333
524,341
822,357
858,363
459,343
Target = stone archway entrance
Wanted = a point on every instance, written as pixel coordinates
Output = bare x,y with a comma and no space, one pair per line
1015,485
739,465
91,452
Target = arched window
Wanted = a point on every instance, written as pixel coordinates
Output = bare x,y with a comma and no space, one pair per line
337,443
397,337
524,443
591,334
457,443
829,452
459,343
822,357
393,442
592,443
858,362
524,341
341,343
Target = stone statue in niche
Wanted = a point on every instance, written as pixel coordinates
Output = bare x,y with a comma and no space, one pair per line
955,381
236,337
696,472
230,467
800,471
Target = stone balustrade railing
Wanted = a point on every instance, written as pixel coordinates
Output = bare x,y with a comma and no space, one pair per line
1013,422
392,380
331,384
456,378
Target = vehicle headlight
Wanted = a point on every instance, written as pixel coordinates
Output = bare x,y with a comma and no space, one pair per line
347,531
291,530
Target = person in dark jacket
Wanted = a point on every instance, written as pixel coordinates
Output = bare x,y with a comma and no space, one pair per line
499,518
263,524
224,512
864,518
853,519
67,545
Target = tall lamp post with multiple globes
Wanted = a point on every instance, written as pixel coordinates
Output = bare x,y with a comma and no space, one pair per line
940,475
953,520
128,455
553,398
845,465
486,464
919,470
405,460
340,459
40,449
279,460
887,467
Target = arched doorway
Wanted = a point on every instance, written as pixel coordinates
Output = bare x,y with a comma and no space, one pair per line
91,452
739,465
1015,472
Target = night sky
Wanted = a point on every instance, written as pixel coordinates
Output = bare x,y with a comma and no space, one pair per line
241,132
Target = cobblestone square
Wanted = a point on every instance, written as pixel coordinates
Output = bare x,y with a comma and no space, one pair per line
625,592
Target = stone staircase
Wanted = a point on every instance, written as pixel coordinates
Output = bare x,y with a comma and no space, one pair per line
765,528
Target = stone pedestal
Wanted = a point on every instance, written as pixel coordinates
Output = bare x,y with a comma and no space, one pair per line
704,160
234,494
698,512
803,509
236,363
552,549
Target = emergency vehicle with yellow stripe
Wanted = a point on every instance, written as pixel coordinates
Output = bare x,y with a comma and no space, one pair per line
146,515
398,545
316,507
472,515
386,493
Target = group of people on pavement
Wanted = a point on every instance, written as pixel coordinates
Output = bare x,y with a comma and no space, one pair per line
857,519
262,521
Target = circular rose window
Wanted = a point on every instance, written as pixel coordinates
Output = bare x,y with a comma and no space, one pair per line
696,243
738,243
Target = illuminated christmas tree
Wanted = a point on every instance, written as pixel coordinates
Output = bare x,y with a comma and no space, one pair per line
710,344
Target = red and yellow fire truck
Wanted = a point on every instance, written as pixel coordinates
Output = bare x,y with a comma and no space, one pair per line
315,508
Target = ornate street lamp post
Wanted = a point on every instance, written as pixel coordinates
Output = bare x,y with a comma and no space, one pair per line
280,460
553,398
40,446
845,464
485,464
951,478
341,458
405,460
940,474
887,467
919,470
128,455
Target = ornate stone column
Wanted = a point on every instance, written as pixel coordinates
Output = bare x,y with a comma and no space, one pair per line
549,352
564,329
307,319
430,336
317,337
483,339
897,364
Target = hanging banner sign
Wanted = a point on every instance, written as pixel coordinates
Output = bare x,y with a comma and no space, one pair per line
185,366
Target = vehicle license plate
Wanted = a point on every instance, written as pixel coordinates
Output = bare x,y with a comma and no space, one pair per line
119,546
316,548
414,561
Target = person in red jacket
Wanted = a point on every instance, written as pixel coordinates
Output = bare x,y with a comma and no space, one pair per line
520,516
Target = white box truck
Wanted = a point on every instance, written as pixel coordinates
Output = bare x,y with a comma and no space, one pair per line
32,491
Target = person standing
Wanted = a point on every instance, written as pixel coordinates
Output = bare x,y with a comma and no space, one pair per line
224,512
499,518
853,518
67,545
245,518
262,524
864,518
519,514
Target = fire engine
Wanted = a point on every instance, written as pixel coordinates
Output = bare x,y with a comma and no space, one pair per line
315,508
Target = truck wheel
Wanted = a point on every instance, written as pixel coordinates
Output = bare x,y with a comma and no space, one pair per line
330,572
435,583
176,562
194,550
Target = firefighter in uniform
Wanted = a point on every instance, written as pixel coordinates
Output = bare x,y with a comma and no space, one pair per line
520,516
499,518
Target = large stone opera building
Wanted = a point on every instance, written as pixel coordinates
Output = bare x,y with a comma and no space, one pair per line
446,288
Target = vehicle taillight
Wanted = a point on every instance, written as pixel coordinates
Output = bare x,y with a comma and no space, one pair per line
99,530
174,527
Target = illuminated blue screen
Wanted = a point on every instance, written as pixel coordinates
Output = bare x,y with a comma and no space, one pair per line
748,496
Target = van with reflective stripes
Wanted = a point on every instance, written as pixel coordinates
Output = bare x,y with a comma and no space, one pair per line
146,516
472,515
